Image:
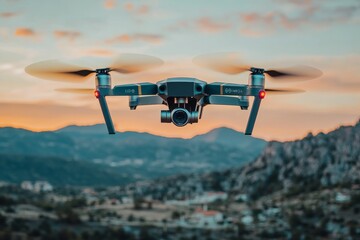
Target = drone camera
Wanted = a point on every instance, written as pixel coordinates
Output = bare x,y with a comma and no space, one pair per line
179,116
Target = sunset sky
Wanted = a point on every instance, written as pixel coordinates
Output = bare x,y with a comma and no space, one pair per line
268,33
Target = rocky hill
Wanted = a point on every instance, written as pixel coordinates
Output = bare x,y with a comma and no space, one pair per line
315,162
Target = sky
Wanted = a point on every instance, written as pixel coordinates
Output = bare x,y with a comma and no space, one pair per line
267,33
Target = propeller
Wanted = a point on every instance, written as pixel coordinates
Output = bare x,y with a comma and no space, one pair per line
60,71
76,90
282,90
231,63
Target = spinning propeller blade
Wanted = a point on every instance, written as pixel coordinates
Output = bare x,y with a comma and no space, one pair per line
59,71
231,63
282,90
76,90
132,63
296,73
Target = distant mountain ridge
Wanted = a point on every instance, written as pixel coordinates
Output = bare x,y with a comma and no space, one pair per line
91,129
140,155
226,136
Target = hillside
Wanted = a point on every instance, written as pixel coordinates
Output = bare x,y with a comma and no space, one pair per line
312,163
58,171
140,156
317,161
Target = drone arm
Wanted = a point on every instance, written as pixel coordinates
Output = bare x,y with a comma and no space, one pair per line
122,90
227,100
253,114
221,88
106,113
136,89
144,100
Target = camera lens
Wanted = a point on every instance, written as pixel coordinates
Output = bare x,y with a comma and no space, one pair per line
180,117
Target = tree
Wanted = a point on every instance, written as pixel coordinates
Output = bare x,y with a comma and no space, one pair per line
5,201
18,225
175,215
138,203
3,222
45,226
5,235
144,234
294,221
131,218
67,215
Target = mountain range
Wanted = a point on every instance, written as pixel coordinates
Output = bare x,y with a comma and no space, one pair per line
290,168
87,155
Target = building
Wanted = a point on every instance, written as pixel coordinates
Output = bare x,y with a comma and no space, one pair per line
42,186
27,185
203,218
38,186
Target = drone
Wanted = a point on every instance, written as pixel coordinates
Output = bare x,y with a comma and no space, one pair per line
184,97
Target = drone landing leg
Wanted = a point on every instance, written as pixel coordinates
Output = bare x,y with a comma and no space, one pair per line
252,117
107,116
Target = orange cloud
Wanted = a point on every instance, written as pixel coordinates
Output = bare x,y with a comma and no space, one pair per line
127,38
207,24
110,4
98,52
8,14
25,32
308,15
204,24
270,19
137,10
302,3
69,35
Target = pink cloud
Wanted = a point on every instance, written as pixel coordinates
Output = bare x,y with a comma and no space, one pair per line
130,38
309,15
207,24
137,10
8,14
68,35
252,33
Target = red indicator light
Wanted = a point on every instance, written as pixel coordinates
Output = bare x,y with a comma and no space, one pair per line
97,94
262,94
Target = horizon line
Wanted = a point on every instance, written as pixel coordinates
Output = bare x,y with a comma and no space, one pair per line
178,137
